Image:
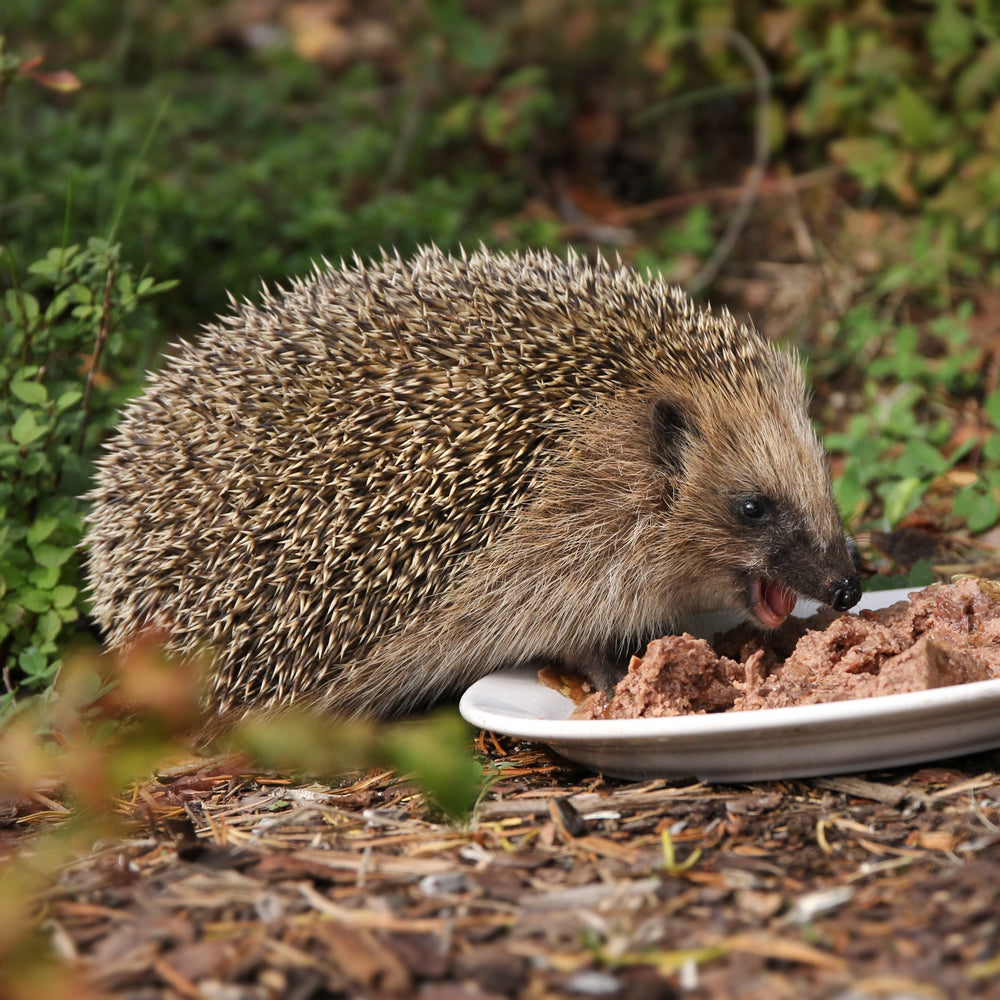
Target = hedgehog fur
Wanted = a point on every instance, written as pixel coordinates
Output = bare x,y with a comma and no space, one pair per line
386,481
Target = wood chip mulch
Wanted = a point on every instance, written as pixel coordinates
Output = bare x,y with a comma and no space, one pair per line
562,885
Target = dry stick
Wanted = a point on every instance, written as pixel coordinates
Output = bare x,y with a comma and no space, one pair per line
770,187
810,251
748,191
102,336
408,129
762,83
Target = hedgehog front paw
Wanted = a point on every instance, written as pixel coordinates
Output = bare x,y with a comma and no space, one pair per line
600,671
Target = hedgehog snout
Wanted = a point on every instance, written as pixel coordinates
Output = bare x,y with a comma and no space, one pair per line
845,593
826,575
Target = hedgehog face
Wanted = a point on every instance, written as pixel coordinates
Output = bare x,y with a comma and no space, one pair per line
787,559
748,509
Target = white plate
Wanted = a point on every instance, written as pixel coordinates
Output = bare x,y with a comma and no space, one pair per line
858,735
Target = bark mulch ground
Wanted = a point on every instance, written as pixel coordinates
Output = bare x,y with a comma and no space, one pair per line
562,885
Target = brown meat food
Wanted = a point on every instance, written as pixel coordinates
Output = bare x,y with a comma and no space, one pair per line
946,634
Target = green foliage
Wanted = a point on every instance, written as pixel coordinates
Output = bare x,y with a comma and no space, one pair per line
261,166
921,575
899,441
691,235
907,104
434,751
63,352
267,160
907,101
978,504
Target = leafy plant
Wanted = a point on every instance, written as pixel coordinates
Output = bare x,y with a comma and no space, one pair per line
434,750
64,355
910,103
921,575
121,718
900,441
978,503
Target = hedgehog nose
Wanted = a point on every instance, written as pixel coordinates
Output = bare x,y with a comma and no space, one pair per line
846,593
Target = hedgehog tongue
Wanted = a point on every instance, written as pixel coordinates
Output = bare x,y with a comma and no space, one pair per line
772,601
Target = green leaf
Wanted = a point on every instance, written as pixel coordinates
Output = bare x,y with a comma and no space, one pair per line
35,601
838,44
992,407
991,448
437,751
48,627
75,473
921,457
868,158
67,297
934,165
27,304
29,392
35,663
918,121
68,614
26,429
100,247
901,497
44,577
13,574
52,555
63,596
34,463
68,399
978,508
55,262
951,36
921,575
851,496
40,529
978,79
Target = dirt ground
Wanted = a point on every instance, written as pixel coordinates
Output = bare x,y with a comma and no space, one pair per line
563,884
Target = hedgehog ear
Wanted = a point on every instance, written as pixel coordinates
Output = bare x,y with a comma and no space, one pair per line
671,428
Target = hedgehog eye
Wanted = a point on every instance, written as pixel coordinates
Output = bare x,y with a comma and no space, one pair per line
753,509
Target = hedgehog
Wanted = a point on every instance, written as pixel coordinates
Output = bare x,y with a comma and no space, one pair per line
386,480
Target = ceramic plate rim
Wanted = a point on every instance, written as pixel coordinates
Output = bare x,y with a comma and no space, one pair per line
516,704
545,727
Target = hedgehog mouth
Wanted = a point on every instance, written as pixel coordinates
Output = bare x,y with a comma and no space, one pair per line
772,601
